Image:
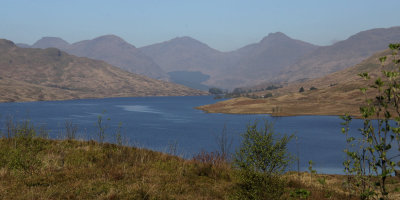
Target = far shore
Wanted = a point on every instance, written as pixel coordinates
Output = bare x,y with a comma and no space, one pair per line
243,105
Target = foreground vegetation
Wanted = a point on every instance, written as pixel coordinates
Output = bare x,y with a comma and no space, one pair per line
34,167
37,168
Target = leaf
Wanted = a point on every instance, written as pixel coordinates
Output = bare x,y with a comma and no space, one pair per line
364,75
363,90
379,82
394,46
382,59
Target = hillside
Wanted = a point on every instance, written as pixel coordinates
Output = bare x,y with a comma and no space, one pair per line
111,49
263,60
51,74
343,54
336,94
185,54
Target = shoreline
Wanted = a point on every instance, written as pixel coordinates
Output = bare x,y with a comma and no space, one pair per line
92,98
277,108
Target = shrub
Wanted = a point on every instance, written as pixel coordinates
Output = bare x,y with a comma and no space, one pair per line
268,95
260,160
300,193
258,185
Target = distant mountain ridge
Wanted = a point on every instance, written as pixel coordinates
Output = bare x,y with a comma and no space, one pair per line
276,58
31,74
343,54
111,49
246,65
185,54
263,60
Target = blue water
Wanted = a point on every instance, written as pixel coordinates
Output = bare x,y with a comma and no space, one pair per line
160,123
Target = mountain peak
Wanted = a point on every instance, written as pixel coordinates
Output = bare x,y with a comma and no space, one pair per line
187,42
111,40
111,37
184,39
46,42
49,38
275,36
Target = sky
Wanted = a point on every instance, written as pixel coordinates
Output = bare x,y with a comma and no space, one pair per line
222,24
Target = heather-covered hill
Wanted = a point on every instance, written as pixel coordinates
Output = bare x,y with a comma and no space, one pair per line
51,74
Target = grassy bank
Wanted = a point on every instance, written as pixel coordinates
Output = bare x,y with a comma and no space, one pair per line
34,167
38,168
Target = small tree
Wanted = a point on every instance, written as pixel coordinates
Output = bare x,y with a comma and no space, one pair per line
262,157
224,144
301,89
101,128
378,133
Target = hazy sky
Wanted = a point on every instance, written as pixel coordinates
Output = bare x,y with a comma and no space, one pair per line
222,24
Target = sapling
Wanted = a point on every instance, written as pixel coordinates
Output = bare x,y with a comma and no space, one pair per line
381,117
311,170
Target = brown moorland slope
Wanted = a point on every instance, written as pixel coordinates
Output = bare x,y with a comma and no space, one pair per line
51,74
335,94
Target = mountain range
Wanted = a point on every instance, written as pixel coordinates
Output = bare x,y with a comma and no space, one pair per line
277,58
337,93
111,49
31,74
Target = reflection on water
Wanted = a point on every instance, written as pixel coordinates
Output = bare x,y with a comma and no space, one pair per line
139,108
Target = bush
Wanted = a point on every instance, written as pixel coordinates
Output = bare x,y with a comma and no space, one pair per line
300,193
268,95
261,159
258,185
313,88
